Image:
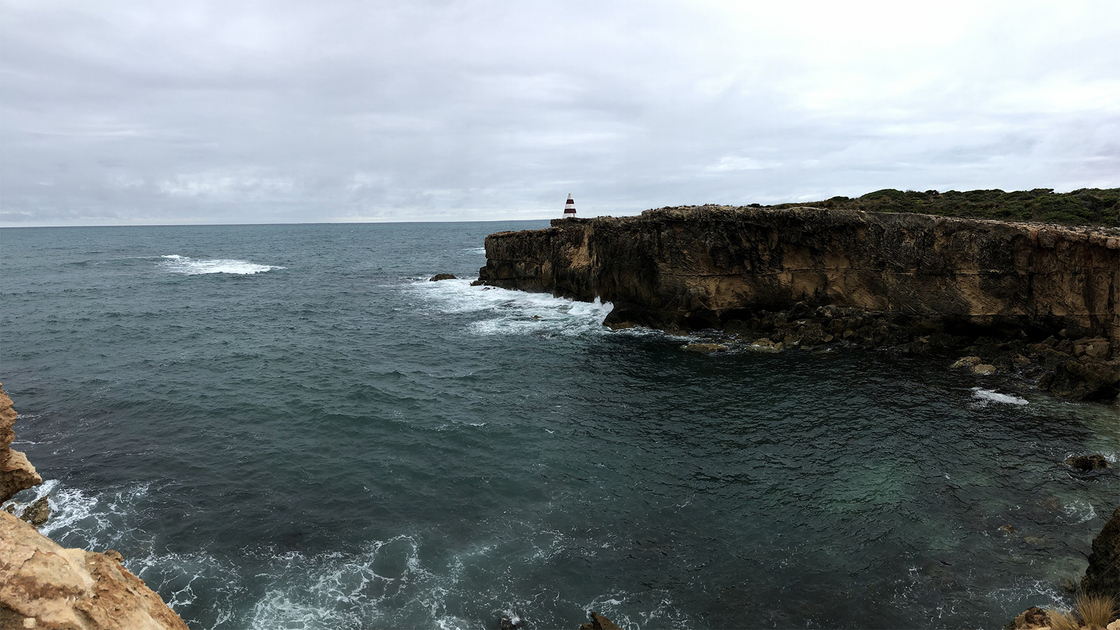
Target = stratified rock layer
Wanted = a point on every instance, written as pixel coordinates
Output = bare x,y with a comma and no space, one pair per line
716,267
16,473
700,266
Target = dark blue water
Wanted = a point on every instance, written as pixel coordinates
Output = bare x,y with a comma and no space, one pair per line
290,427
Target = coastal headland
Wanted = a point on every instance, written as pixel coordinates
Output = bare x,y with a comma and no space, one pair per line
1038,298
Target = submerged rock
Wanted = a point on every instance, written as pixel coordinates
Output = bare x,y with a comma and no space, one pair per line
966,362
441,276
706,348
599,622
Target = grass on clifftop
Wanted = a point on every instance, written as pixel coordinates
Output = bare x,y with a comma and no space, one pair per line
1088,206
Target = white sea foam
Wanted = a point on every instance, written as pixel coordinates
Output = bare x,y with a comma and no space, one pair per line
509,312
1080,510
198,266
985,396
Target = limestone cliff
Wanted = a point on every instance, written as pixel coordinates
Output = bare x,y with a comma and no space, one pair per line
16,473
43,585
702,267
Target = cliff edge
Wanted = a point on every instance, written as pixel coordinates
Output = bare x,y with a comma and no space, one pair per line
700,267
43,585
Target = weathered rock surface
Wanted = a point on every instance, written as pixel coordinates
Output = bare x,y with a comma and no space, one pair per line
1103,575
693,268
71,589
38,512
16,473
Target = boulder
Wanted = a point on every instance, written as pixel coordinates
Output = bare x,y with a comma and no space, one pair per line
1032,618
441,276
984,369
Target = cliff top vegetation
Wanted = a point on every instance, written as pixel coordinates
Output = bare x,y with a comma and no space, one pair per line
1087,206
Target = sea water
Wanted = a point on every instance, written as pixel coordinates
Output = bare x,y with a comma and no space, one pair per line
291,427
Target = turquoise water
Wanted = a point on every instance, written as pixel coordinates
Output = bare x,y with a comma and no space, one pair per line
290,427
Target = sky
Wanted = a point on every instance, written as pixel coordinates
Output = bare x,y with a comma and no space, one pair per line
200,112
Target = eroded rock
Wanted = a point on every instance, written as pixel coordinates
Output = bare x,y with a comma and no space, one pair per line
72,589
38,512
599,622
441,276
16,473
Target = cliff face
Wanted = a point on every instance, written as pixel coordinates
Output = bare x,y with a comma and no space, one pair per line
700,267
43,585
16,473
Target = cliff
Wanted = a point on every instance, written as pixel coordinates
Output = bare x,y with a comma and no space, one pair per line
16,473
694,268
43,585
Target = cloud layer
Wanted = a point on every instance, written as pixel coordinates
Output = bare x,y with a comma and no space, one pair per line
214,112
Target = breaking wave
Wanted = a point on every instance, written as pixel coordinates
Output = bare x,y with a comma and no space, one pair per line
198,266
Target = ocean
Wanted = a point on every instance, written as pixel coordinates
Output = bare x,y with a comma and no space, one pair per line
290,427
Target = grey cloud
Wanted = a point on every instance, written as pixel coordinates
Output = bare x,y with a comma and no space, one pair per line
283,111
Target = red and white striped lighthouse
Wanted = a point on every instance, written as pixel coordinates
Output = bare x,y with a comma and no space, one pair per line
569,207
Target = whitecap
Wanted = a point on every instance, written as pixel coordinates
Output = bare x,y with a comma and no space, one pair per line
507,312
198,266
989,395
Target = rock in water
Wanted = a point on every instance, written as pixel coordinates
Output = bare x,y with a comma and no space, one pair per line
1087,463
46,586
1031,619
441,276
599,622
38,512
1103,575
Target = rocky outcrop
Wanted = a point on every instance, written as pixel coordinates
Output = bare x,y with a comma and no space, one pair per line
1103,575
43,585
16,473
718,267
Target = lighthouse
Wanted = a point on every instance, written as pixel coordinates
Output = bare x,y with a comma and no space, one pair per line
569,207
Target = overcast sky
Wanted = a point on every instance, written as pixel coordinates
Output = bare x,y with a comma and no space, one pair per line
265,112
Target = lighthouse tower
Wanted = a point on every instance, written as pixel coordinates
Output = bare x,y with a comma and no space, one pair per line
569,207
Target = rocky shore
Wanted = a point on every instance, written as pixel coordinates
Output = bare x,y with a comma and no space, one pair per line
1040,301
43,585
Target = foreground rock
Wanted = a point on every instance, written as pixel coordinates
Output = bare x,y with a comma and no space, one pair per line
71,589
899,279
43,585
16,473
